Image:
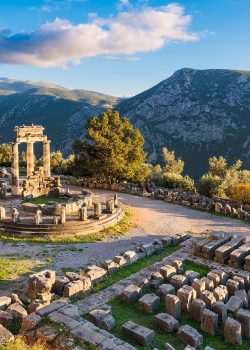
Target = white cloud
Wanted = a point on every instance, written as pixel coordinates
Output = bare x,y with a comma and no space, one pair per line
58,43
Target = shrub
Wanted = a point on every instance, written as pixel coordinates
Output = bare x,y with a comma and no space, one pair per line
240,193
19,344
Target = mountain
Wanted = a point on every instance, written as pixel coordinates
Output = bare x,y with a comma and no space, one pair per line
197,113
62,112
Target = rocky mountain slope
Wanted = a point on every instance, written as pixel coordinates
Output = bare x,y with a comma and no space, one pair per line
197,113
62,112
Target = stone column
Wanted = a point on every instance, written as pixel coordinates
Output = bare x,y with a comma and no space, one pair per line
46,158
30,158
15,169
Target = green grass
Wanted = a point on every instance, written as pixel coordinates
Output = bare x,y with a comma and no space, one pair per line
195,267
123,313
121,228
131,269
45,200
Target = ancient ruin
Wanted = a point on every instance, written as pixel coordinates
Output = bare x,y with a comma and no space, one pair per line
39,182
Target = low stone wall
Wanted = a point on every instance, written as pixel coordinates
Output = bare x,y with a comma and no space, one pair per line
185,198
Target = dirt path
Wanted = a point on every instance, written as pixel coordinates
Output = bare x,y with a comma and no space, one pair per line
153,218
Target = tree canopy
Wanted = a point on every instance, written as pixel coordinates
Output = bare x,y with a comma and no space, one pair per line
112,148
5,154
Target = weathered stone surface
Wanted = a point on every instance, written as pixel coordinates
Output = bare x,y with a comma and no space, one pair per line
234,304
178,281
214,277
72,276
166,241
87,285
208,250
110,266
190,336
246,277
167,272
41,282
222,253
44,311
46,333
102,318
232,332
120,260
17,311
68,322
197,308
156,280
237,256
243,316
242,295
73,288
208,298
178,265
4,302
209,284
137,333
96,274
149,249
90,333
131,294
130,256
191,275
70,310
222,275
165,289
199,286
5,318
5,335
30,322
209,322
166,322
59,284
232,286
186,294
221,310
173,305
221,293
149,303
240,280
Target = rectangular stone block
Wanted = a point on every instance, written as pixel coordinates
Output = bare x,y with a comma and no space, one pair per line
190,336
131,294
56,305
186,294
165,289
167,272
243,316
149,303
197,308
221,310
237,257
232,332
173,305
166,322
209,322
232,286
208,250
96,274
222,253
137,333
72,289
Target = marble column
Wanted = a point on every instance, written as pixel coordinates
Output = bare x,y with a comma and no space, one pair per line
30,158
46,158
15,169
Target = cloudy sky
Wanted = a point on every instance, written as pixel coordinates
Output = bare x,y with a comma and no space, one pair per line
120,47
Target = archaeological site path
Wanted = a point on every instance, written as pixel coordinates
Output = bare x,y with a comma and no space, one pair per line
151,219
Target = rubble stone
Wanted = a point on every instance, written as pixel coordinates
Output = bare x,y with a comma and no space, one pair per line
186,294
4,302
17,311
5,318
5,335
96,274
30,322
221,293
156,280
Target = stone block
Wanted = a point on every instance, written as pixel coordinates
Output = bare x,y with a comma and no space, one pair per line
87,285
102,318
5,335
197,308
166,322
178,265
222,253
131,294
245,276
167,272
234,304
72,276
44,311
68,322
96,274
120,260
149,303
130,256
232,332
173,305
17,311
221,293
209,322
214,277
165,289
237,257
70,310
222,275
199,286
221,310
42,282
240,280
59,284
30,322
166,241
242,295
5,318
191,275
46,333
186,294
243,316
72,289
149,249
190,336
4,302
208,298
156,280
232,286
137,333
208,250
209,284
110,266
178,281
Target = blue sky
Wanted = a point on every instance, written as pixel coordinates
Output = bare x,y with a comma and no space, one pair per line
120,47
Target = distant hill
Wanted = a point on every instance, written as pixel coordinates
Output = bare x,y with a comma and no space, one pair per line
197,113
62,112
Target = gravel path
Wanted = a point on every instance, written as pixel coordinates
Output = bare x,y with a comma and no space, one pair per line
152,218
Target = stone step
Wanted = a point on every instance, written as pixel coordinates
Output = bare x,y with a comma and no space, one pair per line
237,257
223,252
